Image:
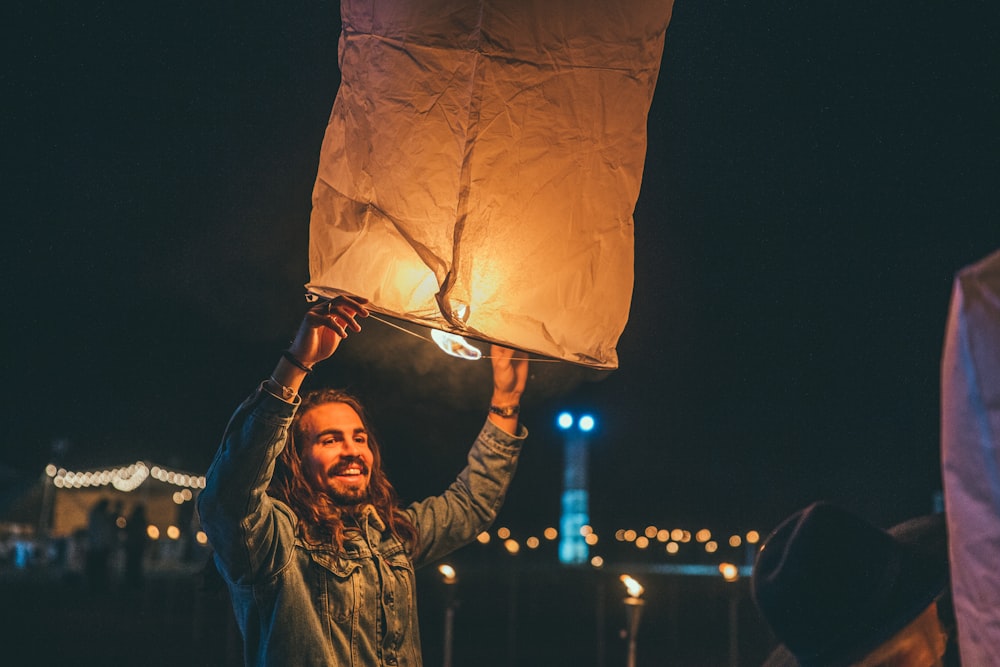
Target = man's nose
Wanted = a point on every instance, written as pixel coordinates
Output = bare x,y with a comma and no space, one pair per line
352,448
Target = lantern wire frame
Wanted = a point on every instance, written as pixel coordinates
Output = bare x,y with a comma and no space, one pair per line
313,298
431,340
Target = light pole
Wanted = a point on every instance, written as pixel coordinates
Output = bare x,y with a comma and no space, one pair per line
731,574
513,547
573,549
633,613
450,578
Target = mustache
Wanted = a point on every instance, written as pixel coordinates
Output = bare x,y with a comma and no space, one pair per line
345,463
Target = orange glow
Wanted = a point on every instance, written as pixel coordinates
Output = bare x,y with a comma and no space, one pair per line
673,547
711,546
662,535
478,211
551,533
735,540
753,537
677,534
597,561
483,538
153,532
591,539
448,573
632,587
532,542
503,533
455,345
650,532
703,535
642,542
173,532
630,535
201,537
729,571
512,547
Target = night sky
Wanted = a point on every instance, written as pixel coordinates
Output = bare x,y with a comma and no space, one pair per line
816,174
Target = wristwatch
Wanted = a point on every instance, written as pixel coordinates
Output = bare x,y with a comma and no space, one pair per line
507,411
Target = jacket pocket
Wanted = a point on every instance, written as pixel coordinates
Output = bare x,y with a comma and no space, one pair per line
338,591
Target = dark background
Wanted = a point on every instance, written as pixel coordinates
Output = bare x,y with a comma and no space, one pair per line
816,174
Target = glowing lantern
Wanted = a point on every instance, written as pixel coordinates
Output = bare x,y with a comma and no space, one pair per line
481,165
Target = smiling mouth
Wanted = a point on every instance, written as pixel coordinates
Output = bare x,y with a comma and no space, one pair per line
349,469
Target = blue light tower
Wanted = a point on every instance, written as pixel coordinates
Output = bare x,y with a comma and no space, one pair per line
573,549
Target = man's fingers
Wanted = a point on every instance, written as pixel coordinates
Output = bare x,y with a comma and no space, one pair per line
346,304
339,314
330,322
334,323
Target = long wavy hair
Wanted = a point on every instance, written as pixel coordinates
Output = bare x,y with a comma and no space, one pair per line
321,518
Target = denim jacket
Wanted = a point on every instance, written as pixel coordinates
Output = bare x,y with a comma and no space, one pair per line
302,604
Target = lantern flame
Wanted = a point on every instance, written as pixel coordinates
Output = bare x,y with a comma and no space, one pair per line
632,587
455,345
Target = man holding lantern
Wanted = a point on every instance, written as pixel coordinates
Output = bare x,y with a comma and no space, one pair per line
316,551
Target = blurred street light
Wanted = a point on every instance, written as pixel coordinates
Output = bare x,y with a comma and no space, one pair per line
573,548
450,578
633,613
731,574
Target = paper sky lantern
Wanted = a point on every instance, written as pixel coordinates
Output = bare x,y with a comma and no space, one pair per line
481,165
970,455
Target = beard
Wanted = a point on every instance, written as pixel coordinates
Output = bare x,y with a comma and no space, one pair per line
349,496
346,493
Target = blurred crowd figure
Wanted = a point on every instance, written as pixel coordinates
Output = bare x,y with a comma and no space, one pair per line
111,545
839,592
970,456
102,539
136,539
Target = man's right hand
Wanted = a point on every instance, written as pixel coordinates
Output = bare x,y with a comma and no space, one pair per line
325,325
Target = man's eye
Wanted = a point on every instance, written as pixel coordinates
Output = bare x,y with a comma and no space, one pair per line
327,442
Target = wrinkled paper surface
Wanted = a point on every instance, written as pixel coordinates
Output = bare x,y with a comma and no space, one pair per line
481,165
